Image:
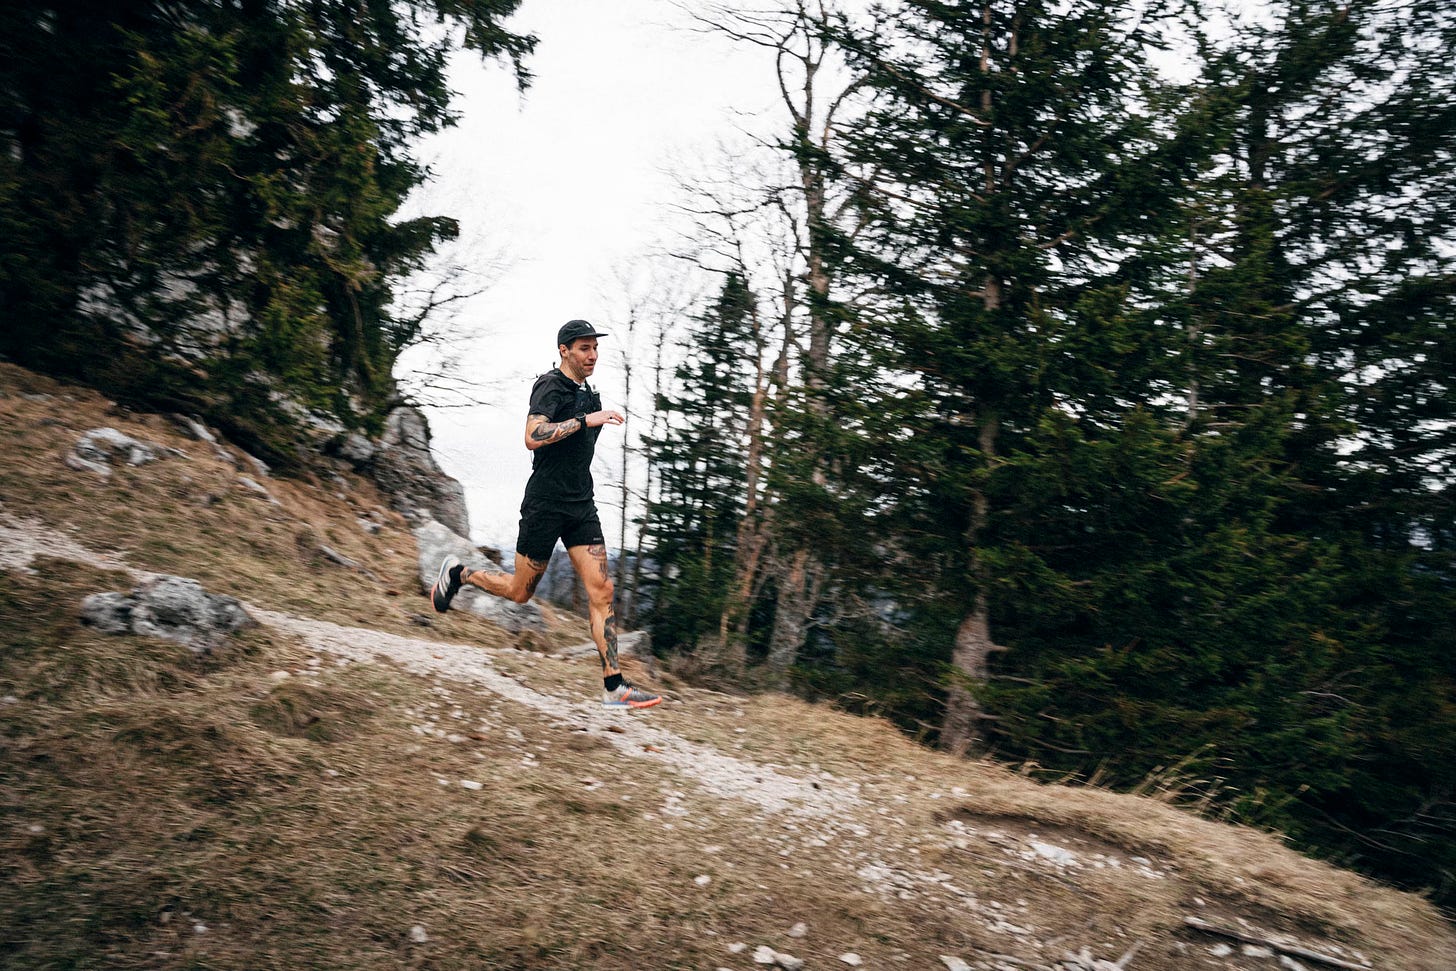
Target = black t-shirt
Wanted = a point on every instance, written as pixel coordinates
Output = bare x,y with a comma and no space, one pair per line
561,472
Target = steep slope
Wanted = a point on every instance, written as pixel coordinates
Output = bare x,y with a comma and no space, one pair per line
357,782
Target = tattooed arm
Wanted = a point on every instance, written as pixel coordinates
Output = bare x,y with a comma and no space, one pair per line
540,431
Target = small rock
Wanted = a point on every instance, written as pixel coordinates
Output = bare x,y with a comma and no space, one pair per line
470,784
253,485
737,947
96,449
767,955
1056,854
799,929
280,675
702,879
418,935
954,963
852,959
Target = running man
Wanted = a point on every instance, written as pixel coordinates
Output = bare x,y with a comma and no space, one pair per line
565,419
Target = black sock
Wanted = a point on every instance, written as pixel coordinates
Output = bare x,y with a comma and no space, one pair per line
612,682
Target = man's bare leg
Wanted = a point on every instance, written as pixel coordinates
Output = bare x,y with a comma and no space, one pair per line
591,565
518,587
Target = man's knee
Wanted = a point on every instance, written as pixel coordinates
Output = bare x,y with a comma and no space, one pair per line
528,575
601,594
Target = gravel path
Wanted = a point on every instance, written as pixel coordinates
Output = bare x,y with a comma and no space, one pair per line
23,540
723,775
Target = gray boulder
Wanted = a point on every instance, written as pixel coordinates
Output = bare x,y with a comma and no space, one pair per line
436,541
173,608
401,463
96,451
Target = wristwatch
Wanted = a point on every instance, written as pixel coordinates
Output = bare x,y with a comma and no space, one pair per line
581,417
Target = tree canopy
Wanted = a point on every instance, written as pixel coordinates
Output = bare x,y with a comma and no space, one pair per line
197,201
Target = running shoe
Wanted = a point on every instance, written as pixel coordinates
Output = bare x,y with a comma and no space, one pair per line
627,696
447,584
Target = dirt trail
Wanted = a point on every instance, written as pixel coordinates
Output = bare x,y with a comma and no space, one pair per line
723,775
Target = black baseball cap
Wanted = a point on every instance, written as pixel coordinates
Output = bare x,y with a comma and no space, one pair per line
575,330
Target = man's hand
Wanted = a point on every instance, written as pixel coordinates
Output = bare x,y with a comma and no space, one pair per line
599,418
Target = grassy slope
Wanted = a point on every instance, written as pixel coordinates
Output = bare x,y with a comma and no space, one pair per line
158,810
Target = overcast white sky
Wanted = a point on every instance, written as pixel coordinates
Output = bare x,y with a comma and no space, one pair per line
571,184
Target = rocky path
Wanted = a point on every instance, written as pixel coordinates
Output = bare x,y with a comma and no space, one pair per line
633,734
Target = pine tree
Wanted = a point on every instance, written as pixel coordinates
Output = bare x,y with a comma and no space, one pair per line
1017,182
1266,641
699,468
197,199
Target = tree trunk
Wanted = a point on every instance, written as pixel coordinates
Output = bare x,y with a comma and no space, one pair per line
960,731
799,582
749,542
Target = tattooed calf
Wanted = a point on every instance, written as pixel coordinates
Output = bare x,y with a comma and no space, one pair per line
609,634
538,570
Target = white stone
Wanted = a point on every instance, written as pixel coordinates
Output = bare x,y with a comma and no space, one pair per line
954,963
418,934
852,959
702,879
1056,854
799,929
470,784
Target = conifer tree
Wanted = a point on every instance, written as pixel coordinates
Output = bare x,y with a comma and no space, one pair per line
699,468
196,200
1260,644
1016,178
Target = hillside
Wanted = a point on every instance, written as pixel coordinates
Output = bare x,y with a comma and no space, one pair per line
355,782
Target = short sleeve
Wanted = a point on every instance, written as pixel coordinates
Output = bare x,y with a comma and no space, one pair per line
546,398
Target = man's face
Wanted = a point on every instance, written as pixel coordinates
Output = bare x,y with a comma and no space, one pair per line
580,358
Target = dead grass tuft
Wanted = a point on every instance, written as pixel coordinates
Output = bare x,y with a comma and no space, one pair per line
316,712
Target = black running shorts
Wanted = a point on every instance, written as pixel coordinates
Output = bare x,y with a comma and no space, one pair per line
543,523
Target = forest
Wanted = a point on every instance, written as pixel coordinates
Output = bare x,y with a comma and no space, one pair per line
1075,387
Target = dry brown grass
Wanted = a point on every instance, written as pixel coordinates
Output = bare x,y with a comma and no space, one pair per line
164,810
194,517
